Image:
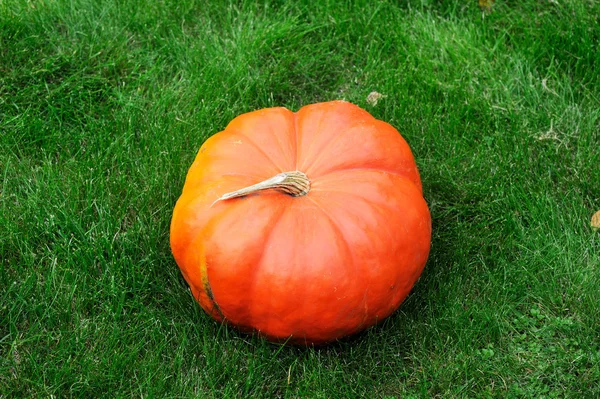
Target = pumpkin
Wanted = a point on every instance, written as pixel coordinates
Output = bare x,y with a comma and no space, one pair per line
304,227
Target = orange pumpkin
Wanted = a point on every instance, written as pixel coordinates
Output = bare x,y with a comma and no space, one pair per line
305,226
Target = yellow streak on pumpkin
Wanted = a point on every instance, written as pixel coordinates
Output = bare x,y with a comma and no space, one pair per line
206,284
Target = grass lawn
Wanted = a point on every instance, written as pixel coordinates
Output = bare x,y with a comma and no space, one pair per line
104,104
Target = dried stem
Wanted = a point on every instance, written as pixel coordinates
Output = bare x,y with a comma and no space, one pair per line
293,183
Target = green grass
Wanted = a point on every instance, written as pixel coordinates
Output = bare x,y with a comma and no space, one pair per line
103,105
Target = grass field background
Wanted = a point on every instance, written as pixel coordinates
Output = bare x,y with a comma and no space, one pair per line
104,104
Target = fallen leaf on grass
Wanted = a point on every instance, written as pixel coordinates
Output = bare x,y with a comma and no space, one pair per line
486,5
374,97
596,220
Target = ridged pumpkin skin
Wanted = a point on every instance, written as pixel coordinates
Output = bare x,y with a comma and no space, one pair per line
313,268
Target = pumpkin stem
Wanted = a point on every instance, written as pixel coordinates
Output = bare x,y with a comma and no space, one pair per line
294,183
